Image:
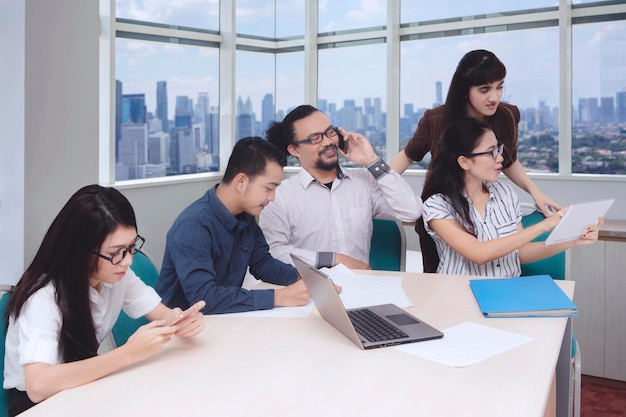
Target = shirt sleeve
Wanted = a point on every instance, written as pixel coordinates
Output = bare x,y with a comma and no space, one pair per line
420,144
393,196
39,328
276,226
190,246
139,299
265,267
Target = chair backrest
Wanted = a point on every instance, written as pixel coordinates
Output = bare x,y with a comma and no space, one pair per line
125,326
388,246
4,299
553,265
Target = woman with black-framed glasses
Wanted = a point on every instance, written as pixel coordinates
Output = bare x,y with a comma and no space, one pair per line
69,298
474,220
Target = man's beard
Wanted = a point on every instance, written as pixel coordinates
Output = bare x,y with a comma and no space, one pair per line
326,166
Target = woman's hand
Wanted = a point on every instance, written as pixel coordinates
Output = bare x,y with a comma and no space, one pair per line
591,233
191,321
148,340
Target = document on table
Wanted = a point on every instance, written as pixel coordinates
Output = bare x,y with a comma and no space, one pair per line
360,290
466,344
302,311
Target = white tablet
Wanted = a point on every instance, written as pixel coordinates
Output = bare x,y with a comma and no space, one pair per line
577,218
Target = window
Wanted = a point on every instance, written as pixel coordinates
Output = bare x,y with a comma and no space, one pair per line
351,90
531,84
166,108
168,82
599,98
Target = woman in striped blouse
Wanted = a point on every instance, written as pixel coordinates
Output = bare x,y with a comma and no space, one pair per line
475,220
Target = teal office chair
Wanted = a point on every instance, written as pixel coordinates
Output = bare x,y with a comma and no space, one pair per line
125,326
388,246
555,267
4,299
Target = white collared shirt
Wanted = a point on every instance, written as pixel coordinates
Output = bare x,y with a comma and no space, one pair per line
502,214
308,219
34,336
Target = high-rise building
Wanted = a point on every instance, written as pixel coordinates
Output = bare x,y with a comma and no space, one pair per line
267,110
161,105
118,118
438,94
607,109
133,108
620,106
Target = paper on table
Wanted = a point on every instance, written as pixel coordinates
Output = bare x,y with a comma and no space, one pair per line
359,290
466,344
302,311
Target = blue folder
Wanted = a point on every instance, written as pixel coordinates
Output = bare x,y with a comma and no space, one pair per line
530,296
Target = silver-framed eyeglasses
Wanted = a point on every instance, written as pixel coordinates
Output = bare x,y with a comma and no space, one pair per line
315,138
119,255
494,153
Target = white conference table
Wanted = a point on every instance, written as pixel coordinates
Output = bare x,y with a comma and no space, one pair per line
251,366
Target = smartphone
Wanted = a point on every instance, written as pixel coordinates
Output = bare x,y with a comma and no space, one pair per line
184,314
341,143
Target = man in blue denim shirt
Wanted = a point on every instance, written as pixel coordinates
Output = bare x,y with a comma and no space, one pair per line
215,239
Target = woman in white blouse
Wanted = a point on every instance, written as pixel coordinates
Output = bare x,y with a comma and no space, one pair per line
475,220
70,296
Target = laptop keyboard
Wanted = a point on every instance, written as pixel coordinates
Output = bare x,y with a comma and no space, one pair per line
372,327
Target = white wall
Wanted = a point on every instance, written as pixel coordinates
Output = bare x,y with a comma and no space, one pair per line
12,38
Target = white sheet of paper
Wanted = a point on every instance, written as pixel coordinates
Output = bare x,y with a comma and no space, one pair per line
302,311
367,290
466,344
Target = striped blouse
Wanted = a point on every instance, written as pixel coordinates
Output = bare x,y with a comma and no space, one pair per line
502,214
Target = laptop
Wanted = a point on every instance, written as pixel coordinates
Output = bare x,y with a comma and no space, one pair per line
368,327
576,219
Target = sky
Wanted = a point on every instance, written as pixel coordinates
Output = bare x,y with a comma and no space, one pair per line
531,56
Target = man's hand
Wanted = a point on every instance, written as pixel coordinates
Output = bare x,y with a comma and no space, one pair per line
350,262
358,148
292,295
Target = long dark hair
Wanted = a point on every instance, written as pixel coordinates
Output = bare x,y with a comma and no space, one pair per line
445,175
65,258
477,67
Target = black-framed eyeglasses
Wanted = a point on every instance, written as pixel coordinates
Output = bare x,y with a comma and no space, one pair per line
315,138
494,153
119,255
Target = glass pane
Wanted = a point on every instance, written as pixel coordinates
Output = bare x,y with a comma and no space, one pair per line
203,14
255,80
425,10
351,14
599,98
166,109
270,18
289,83
354,95
531,84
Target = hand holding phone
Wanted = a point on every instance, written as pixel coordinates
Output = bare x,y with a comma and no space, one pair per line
196,307
341,142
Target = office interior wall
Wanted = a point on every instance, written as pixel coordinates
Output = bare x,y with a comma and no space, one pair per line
12,39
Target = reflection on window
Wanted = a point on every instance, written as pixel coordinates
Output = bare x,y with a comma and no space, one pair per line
184,13
270,18
599,98
255,93
166,104
352,90
426,10
531,84
351,14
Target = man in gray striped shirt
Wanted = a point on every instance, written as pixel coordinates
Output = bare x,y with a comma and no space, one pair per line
324,213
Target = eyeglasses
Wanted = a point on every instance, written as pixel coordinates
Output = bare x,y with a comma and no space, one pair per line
315,138
119,255
495,152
